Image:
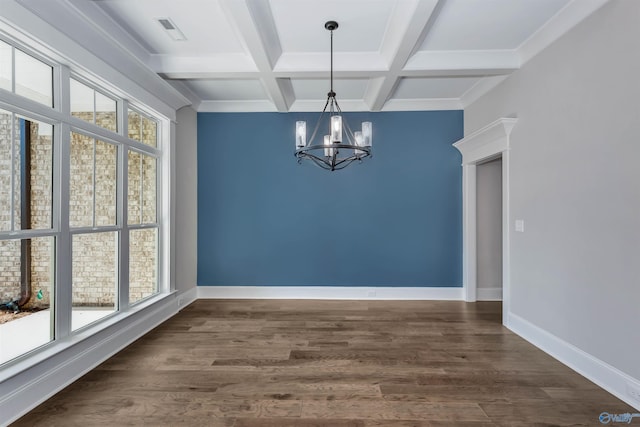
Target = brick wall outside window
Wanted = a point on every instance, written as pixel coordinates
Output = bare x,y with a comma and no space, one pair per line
91,287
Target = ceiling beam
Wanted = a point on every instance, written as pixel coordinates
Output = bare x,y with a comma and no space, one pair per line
422,19
256,29
483,67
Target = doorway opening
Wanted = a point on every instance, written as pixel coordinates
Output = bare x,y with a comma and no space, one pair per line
482,146
489,230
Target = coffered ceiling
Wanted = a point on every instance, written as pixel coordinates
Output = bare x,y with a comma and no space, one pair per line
273,55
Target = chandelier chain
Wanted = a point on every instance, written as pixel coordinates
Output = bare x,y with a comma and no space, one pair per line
334,94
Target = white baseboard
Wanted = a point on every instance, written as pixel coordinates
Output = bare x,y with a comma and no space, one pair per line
187,297
329,292
602,374
27,389
489,294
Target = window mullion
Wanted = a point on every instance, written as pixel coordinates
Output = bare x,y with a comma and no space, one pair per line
62,301
93,217
13,69
94,162
12,179
141,186
64,276
165,209
122,211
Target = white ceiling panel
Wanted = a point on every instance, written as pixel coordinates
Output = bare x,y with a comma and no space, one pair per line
488,24
231,90
438,88
362,24
318,88
273,55
203,22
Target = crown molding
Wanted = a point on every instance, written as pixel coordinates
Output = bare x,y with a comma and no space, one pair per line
560,24
481,87
429,104
257,106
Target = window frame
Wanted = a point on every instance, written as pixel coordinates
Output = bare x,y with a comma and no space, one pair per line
59,116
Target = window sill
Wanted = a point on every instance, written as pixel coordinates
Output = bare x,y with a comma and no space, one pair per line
51,349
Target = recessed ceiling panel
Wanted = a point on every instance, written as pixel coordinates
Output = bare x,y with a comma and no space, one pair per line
318,88
203,23
488,24
228,90
362,24
439,88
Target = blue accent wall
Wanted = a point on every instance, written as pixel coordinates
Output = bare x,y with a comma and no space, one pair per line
394,220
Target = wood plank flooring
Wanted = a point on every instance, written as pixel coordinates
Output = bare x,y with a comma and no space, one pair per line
248,363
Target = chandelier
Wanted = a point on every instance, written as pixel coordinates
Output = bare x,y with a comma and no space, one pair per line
341,146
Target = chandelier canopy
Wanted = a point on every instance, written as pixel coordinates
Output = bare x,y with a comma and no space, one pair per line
340,147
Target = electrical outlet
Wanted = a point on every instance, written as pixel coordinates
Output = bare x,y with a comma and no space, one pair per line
180,302
371,294
633,391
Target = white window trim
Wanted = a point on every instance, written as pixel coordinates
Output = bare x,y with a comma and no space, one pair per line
59,115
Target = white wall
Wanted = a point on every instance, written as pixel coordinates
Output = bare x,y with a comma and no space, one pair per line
489,224
186,217
575,181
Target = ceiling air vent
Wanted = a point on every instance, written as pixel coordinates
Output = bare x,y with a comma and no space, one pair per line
171,29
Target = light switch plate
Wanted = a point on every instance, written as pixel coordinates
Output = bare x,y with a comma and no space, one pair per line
520,225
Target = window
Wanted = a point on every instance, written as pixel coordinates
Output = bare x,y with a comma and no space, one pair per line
142,128
26,181
92,106
95,277
27,267
142,188
92,211
93,182
6,66
33,78
79,196
27,239
143,247
25,75
143,260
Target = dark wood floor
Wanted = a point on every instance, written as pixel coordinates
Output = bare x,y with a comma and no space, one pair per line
330,363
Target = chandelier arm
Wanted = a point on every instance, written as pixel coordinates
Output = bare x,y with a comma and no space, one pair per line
338,109
320,162
345,162
337,105
335,164
315,131
318,147
336,145
346,159
313,157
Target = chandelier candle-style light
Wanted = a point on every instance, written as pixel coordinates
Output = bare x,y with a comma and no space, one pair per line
341,146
